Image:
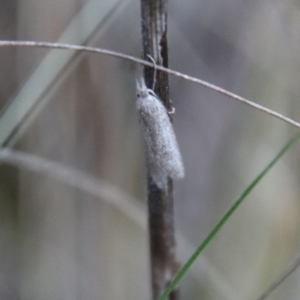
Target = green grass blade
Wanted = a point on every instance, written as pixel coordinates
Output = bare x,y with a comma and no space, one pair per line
224,219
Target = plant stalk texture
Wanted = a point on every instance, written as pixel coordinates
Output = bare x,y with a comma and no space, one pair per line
160,201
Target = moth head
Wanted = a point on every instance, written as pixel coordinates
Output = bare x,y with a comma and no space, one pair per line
141,88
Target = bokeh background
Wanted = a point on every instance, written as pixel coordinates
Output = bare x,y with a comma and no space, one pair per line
60,242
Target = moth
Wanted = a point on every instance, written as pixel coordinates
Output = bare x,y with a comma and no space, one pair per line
162,151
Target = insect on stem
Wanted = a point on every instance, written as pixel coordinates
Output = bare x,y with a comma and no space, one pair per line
162,151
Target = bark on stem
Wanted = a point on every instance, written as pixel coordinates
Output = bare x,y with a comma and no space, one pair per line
160,203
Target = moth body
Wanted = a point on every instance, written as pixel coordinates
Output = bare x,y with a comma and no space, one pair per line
163,155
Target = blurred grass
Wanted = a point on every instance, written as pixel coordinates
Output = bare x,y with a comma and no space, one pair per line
55,68
225,218
57,242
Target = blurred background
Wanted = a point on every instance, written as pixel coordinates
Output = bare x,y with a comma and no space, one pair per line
59,241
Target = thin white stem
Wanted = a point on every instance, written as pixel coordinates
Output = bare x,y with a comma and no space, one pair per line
149,64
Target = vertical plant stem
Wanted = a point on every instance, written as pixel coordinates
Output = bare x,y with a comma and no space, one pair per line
161,212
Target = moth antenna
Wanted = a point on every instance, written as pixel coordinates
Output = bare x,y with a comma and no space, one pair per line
154,67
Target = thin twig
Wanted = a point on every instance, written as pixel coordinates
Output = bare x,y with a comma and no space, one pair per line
206,84
163,260
281,278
